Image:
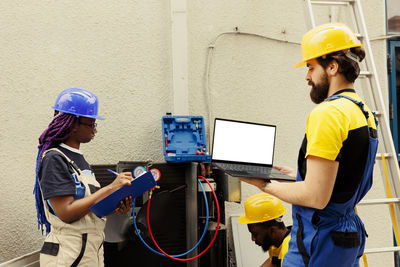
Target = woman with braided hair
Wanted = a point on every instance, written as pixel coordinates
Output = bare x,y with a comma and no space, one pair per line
65,186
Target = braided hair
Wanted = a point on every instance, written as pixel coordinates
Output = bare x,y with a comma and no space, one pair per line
57,132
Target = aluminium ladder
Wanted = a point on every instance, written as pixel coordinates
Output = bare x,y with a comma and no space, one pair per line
373,95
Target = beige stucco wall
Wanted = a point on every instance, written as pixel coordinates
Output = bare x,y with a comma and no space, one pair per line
122,52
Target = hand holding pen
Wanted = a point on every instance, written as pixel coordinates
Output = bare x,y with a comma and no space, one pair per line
123,178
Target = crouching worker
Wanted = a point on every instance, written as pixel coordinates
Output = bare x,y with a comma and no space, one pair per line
263,216
66,187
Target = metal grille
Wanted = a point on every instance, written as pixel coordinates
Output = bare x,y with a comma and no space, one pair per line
102,175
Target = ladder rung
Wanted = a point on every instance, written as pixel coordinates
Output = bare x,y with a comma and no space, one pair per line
380,250
377,113
332,2
378,201
365,73
359,35
387,155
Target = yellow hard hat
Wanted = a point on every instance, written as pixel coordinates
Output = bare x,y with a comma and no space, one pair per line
261,207
325,39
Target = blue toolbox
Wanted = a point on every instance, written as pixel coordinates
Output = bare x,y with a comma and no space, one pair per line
184,139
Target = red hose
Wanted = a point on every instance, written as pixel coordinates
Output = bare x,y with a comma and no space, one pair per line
204,251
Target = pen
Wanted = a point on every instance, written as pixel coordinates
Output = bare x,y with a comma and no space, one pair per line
113,172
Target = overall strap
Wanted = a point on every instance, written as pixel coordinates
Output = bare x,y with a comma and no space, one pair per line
71,162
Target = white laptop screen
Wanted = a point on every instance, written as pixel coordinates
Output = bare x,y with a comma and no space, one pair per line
243,142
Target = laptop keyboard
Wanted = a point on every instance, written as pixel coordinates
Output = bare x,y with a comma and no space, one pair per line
249,171
248,168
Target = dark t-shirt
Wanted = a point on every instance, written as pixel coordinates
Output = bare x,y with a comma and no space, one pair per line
55,173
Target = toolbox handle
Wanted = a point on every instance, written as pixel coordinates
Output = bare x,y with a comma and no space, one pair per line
182,119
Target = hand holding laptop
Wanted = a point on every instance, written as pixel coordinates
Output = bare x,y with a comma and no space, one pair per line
258,182
286,170
261,182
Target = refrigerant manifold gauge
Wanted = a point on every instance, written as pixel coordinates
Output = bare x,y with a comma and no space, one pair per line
156,174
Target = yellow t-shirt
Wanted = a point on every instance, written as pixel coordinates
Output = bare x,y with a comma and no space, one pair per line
337,130
276,254
331,123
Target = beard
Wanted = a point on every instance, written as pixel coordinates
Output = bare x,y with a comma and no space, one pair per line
319,92
266,245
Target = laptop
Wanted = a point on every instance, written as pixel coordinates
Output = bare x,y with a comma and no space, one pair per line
245,149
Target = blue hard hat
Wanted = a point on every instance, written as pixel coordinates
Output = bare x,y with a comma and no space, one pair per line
79,102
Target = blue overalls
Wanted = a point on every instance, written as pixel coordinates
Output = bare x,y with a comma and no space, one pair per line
334,236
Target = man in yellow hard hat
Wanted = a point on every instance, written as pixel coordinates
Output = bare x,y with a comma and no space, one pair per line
336,158
263,216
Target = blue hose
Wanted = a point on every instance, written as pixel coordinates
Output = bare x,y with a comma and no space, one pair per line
187,252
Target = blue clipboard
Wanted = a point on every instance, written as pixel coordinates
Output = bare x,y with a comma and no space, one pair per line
138,186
